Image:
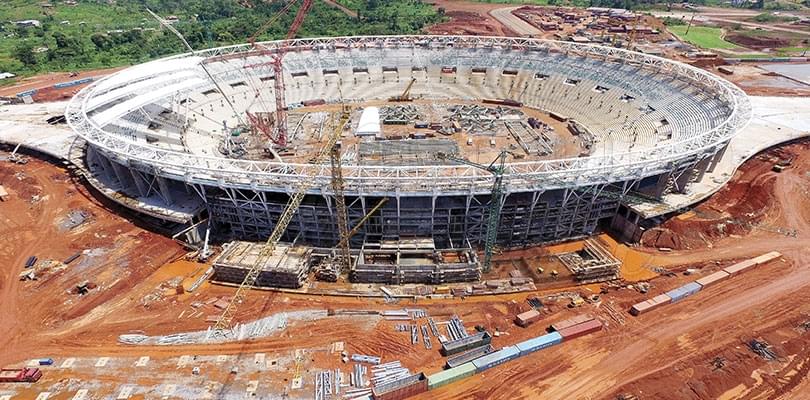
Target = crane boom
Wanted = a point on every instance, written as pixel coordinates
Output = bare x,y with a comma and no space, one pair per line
406,94
224,321
179,35
276,58
497,169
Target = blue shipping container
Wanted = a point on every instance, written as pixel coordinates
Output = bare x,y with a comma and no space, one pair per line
539,343
46,361
684,291
497,358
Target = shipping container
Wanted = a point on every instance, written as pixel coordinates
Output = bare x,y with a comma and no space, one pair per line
683,291
31,261
468,356
581,329
72,258
712,279
768,257
497,358
457,346
651,304
558,117
527,318
570,322
316,102
401,388
740,266
46,361
539,343
451,375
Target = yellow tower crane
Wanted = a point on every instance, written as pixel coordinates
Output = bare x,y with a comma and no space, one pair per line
225,320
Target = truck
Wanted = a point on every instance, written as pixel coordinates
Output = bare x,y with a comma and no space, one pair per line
20,374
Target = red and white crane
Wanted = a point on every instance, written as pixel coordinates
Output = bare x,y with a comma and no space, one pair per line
276,57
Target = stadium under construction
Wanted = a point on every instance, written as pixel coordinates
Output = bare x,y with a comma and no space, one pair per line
557,140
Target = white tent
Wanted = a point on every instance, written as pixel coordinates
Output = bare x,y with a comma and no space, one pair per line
369,122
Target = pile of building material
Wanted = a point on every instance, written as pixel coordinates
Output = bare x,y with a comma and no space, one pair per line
405,152
251,330
480,120
469,355
593,263
286,267
400,114
586,138
466,343
402,387
531,141
398,263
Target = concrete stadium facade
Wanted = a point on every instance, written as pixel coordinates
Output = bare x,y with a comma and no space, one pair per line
658,125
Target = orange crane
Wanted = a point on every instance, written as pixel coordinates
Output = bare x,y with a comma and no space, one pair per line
276,57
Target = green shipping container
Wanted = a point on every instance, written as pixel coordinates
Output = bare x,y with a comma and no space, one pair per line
451,375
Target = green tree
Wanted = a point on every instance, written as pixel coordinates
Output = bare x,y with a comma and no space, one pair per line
25,53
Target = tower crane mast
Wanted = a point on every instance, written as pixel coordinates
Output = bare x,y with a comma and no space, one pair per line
225,320
497,168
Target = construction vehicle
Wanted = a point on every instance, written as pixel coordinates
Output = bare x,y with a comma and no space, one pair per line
497,169
406,95
276,57
20,374
224,321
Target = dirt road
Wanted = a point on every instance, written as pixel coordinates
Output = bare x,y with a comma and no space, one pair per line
341,7
505,16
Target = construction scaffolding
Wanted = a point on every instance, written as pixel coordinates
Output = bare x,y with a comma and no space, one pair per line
592,264
414,261
287,267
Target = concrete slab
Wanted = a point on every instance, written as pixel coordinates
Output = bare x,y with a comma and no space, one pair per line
25,123
5,397
797,72
142,361
43,396
68,363
775,120
102,362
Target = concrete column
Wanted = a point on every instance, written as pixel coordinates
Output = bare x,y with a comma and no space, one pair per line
140,182
105,165
702,168
717,158
163,185
122,174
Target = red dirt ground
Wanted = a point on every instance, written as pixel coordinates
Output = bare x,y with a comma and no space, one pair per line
665,354
45,82
469,19
736,209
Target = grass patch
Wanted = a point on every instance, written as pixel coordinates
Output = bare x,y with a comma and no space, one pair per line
703,36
